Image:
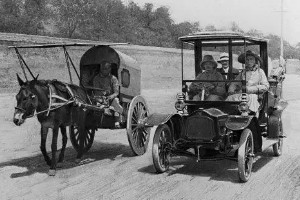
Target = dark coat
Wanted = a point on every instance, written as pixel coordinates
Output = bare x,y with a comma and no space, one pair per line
235,72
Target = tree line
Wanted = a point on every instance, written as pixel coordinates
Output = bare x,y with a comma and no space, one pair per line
111,21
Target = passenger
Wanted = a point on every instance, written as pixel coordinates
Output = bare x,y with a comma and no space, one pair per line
109,86
256,81
214,91
224,60
277,72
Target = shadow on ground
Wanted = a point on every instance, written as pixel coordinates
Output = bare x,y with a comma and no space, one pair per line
220,170
99,151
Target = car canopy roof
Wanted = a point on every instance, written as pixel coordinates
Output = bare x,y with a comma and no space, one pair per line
222,38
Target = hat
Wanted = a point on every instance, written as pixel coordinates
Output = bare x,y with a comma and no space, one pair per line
241,57
223,57
208,58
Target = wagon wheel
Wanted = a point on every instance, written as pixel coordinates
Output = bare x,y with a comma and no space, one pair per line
161,148
277,147
137,132
245,155
83,139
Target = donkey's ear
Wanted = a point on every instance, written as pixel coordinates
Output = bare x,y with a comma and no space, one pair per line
36,77
21,82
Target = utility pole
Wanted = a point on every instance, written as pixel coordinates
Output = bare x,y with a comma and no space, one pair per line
281,37
281,59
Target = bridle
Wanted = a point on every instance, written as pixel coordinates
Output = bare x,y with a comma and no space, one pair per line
21,109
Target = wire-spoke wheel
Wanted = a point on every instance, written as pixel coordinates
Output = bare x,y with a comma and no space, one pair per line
82,140
161,148
245,155
137,131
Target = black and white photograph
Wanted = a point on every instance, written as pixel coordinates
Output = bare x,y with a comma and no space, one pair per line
149,99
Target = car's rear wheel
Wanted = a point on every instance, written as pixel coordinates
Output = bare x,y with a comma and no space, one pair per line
277,148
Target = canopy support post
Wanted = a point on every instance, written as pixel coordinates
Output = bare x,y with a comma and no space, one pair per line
80,83
22,63
68,64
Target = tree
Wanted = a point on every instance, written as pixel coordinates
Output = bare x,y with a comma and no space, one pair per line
35,14
71,16
235,27
182,29
210,27
10,13
25,16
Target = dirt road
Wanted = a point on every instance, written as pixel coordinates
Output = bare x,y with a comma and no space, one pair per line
113,172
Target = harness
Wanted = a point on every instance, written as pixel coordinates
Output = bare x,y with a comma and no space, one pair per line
53,97
53,105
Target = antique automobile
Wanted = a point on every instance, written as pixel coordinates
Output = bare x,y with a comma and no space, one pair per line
219,129
94,116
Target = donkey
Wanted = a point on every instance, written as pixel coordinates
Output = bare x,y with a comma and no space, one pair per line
32,97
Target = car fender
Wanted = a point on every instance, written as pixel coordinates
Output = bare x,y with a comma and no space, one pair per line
238,122
174,121
156,119
274,126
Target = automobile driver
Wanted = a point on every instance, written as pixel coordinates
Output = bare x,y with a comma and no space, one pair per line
109,86
213,91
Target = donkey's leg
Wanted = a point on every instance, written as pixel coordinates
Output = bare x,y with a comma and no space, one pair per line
44,132
53,149
64,143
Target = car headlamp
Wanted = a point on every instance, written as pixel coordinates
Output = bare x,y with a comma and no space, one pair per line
243,107
180,104
244,97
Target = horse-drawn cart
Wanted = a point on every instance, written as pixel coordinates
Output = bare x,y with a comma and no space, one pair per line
92,116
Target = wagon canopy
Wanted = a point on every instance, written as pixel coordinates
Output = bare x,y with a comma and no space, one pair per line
124,68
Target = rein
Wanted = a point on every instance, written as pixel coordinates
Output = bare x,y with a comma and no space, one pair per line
51,109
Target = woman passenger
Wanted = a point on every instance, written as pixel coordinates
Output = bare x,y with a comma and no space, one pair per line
256,81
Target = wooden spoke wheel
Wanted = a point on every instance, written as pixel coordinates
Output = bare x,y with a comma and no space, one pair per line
161,148
82,140
137,132
277,148
245,155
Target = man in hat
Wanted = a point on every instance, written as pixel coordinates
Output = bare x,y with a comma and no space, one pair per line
109,88
212,91
224,61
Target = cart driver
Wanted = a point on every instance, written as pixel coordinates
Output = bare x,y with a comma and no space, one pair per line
212,91
109,86
256,81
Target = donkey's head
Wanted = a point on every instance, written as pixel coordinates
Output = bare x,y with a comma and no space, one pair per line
27,102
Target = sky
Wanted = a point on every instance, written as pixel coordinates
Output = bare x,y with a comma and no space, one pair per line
262,15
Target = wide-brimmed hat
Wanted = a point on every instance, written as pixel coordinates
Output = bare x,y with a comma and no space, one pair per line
208,58
241,57
223,57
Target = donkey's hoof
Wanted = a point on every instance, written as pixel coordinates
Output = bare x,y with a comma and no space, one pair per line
52,172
